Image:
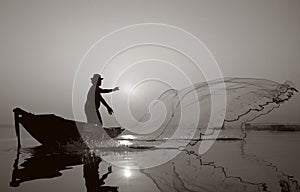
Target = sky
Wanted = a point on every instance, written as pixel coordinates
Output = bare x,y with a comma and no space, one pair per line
43,42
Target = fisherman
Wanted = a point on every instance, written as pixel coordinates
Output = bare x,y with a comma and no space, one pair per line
94,98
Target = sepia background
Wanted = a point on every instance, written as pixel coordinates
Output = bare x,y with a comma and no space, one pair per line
43,42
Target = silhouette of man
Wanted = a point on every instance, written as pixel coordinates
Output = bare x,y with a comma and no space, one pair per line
94,99
93,182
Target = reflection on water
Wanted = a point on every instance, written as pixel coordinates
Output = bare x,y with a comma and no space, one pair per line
228,166
194,173
46,163
93,181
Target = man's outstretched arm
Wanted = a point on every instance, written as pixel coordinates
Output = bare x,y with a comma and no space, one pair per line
108,90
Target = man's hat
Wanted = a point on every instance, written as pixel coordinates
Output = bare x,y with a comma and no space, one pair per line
96,77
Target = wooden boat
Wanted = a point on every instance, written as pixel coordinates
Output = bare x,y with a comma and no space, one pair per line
51,130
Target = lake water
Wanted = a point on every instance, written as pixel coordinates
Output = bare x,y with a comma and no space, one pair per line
264,161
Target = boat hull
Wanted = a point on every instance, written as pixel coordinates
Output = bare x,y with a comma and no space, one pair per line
52,130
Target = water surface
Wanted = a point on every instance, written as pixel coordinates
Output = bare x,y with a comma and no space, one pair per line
264,161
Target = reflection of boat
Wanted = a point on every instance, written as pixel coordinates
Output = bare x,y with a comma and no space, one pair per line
51,130
41,165
46,164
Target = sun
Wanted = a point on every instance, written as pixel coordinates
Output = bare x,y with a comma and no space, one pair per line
127,172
